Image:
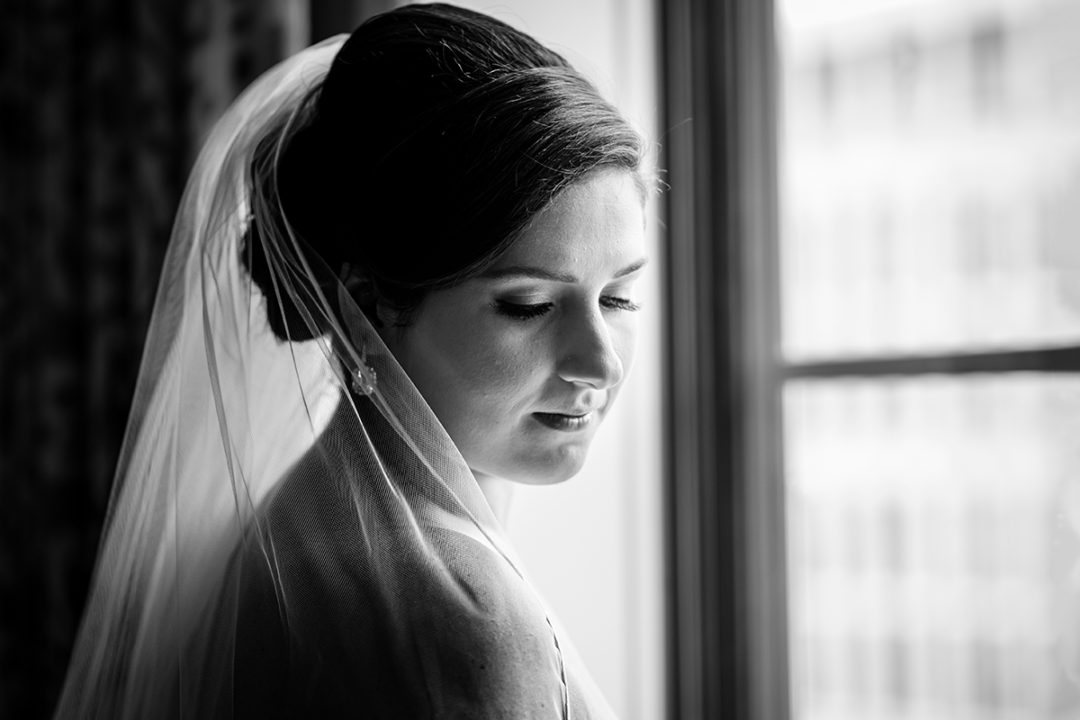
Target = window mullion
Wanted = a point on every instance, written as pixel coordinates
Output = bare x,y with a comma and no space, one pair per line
1058,359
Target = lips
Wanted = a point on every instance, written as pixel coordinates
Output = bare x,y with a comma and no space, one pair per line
565,422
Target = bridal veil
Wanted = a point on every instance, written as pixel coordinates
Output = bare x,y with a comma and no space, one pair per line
300,486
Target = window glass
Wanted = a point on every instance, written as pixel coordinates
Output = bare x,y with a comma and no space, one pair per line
934,546
930,175
930,204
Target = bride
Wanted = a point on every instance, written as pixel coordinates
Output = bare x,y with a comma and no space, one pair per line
401,280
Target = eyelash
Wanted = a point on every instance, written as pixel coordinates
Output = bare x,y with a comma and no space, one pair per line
520,311
617,303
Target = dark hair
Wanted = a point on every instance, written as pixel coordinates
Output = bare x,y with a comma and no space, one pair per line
436,136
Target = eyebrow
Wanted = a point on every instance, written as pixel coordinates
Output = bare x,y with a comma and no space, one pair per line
539,273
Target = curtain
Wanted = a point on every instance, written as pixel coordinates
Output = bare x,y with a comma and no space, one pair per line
102,108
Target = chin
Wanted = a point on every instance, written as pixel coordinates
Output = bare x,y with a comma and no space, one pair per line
554,468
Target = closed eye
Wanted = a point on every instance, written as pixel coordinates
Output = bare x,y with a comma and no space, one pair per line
522,311
617,303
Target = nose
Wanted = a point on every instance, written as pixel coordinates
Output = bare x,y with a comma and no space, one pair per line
588,356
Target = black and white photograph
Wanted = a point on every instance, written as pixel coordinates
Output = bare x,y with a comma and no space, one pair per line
540,359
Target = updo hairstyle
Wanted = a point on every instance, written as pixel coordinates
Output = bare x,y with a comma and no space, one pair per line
434,139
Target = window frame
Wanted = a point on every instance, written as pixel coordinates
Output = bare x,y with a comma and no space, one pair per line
725,373
727,617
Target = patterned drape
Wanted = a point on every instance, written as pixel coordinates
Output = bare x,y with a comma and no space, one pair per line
102,107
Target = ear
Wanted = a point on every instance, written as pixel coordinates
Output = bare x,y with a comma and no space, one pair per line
357,283
388,317
361,288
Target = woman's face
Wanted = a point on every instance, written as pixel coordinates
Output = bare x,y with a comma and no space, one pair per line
521,363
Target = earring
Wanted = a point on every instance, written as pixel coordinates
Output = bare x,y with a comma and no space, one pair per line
363,380
354,290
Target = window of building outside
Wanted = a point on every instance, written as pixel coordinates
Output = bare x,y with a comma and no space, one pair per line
929,194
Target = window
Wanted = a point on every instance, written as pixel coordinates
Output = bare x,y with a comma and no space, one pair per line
875,374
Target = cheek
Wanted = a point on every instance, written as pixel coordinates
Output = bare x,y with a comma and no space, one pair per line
492,363
474,373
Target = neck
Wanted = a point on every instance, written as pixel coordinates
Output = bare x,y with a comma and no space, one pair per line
499,493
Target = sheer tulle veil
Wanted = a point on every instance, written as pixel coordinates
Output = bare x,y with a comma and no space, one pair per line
244,453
